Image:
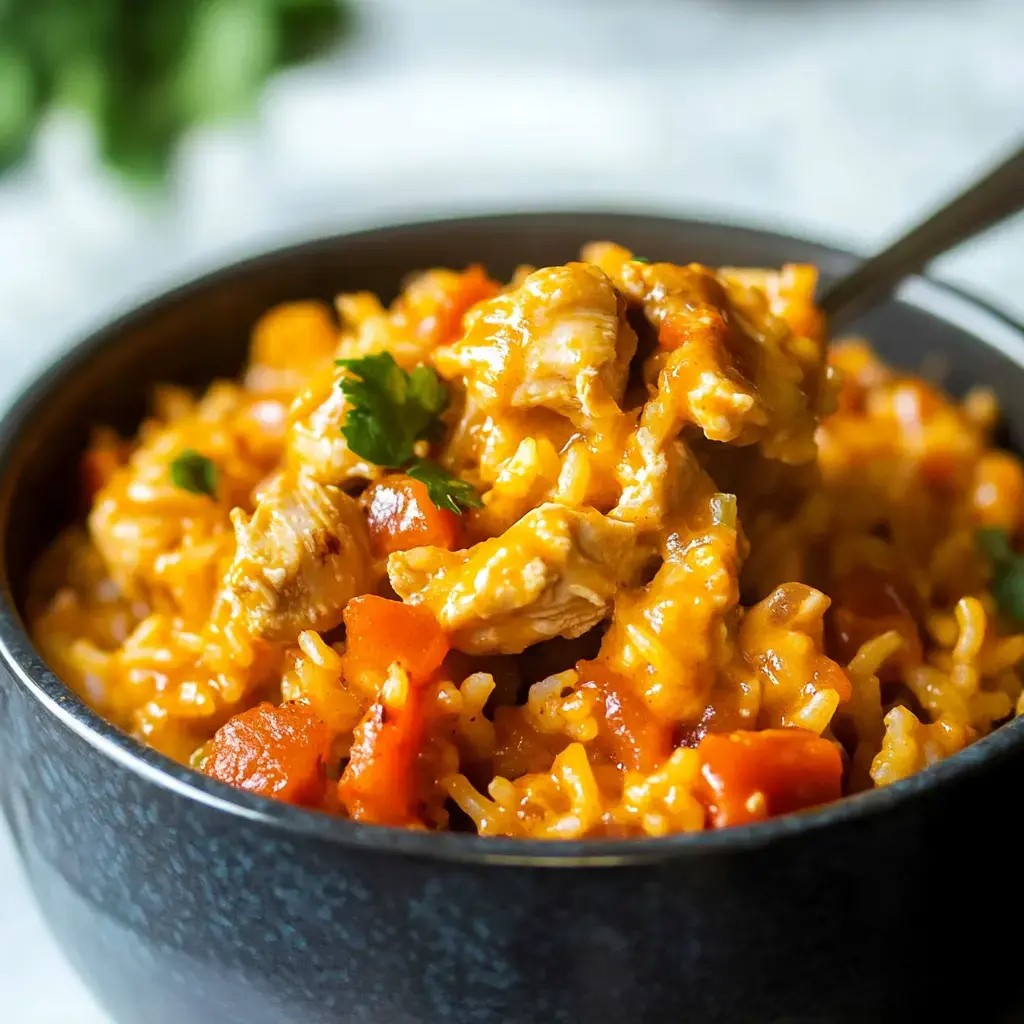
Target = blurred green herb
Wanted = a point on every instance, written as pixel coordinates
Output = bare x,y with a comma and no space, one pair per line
1007,571
144,71
194,472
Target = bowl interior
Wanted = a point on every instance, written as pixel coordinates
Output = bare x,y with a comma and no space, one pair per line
200,331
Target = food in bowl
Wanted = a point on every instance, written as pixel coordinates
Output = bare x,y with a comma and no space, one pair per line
619,548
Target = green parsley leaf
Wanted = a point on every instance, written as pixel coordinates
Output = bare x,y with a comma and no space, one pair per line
995,542
194,472
640,259
446,491
1007,571
1008,590
389,409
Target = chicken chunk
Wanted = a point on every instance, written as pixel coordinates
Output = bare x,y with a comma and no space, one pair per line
726,362
672,636
559,341
301,556
554,573
314,438
782,639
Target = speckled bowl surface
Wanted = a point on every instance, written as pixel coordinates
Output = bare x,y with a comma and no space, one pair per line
180,900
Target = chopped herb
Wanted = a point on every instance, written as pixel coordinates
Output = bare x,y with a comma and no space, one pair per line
640,259
194,472
1007,571
445,490
389,411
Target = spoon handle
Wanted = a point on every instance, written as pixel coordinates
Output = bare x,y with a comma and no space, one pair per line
998,195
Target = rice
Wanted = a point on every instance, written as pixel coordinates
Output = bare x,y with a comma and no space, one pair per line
807,567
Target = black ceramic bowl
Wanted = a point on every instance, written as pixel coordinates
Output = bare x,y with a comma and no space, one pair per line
180,900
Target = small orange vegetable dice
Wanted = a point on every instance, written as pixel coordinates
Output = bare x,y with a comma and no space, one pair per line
289,343
379,784
998,491
635,738
401,515
379,632
750,776
273,751
473,286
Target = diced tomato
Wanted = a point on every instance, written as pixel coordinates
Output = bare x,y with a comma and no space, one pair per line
635,738
379,632
274,751
401,515
379,784
474,286
869,602
749,776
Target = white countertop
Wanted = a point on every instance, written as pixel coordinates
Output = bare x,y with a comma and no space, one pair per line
822,117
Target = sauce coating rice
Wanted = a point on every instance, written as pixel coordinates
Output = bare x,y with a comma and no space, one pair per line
618,548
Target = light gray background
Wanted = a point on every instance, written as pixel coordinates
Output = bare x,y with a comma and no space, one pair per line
838,118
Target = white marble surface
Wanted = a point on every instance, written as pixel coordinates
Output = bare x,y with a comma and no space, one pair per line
841,119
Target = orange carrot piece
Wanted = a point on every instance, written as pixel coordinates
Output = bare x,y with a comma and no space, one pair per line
635,737
750,776
273,751
401,515
380,633
474,286
379,784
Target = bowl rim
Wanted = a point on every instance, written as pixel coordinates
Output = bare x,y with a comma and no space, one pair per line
990,325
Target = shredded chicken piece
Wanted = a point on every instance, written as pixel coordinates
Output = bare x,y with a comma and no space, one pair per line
559,341
672,636
315,441
727,364
546,360
301,556
554,573
789,293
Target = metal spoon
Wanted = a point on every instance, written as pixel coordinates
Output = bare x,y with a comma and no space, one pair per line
998,195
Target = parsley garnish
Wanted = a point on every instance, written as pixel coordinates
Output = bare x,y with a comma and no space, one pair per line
389,411
194,472
640,259
445,491
1007,571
